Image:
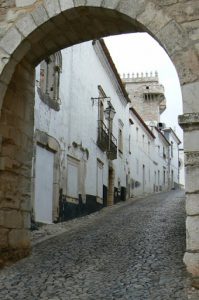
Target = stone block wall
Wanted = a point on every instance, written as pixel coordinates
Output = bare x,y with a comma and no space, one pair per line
16,130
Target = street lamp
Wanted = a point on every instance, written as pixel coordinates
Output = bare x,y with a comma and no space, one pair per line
109,114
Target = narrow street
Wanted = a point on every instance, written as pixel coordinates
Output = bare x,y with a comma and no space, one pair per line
133,250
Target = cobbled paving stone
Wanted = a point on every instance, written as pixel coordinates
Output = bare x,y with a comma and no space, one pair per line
133,250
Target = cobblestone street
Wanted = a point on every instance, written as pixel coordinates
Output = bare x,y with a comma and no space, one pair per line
133,250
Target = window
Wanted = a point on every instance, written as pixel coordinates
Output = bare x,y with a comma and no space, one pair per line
164,177
164,153
137,166
171,149
143,140
120,136
119,187
99,179
129,144
50,70
120,141
149,146
137,134
73,177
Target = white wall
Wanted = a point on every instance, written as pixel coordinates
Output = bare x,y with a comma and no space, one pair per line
74,126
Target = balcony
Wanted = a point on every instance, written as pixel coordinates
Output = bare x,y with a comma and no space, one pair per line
103,141
103,134
112,152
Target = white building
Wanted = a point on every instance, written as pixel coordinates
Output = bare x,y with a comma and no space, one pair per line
174,171
83,160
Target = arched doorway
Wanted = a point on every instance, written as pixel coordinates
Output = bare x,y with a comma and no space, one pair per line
39,28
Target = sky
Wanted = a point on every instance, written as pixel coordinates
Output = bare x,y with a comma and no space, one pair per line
139,52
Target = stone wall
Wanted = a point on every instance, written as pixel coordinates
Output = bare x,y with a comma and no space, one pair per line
16,132
32,32
146,95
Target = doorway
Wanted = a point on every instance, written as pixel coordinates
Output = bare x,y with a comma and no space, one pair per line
44,185
111,178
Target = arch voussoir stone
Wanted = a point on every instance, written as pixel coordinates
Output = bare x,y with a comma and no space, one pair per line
26,25
11,40
95,3
131,8
187,65
112,4
52,7
40,15
153,18
179,39
65,5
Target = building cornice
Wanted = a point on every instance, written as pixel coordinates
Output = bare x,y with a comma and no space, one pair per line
189,121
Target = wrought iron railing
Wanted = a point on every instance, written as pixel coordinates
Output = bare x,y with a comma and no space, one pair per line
106,141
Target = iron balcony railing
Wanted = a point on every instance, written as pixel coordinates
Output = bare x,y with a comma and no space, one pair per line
103,141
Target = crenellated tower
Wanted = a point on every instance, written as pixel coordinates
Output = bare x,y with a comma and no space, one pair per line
146,95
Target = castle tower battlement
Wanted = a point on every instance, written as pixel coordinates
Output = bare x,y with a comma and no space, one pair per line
147,95
141,77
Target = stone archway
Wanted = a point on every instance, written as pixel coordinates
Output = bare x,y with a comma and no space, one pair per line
33,29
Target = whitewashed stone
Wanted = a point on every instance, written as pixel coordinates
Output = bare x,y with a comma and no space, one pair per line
11,40
191,139
40,15
26,25
192,262
192,226
96,3
79,2
192,204
110,4
22,3
152,18
190,94
191,179
52,7
131,8
178,41
66,4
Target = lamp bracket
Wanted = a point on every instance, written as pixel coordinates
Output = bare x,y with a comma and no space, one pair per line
96,99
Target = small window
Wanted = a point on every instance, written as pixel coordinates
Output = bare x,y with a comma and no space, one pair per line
164,153
137,166
171,149
120,141
143,140
137,134
149,146
129,144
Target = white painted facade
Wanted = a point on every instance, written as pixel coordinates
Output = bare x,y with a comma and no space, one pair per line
174,171
82,169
